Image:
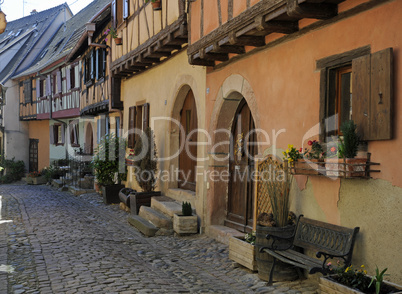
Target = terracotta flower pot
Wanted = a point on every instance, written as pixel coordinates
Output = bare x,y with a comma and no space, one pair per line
118,41
157,5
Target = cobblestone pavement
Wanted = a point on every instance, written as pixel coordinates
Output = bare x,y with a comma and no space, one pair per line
60,243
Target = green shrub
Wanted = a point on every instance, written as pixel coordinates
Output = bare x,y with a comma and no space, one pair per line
15,170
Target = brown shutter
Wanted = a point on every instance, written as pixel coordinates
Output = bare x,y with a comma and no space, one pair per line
131,126
145,117
361,94
373,95
58,78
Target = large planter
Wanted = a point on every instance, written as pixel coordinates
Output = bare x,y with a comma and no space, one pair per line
243,253
137,199
283,272
307,167
356,167
111,193
36,181
329,286
183,225
349,167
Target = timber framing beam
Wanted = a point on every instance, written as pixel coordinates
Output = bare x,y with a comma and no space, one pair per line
154,51
252,26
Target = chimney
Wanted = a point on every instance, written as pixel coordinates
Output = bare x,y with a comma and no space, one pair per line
34,12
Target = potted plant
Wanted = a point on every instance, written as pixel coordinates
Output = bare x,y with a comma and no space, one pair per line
342,153
144,160
36,178
156,4
279,221
113,33
242,250
186,222
109,167
352,280
293,156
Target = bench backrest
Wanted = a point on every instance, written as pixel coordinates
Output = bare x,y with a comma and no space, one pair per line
321,236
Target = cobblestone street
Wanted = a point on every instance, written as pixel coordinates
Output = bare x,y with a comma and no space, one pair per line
54,242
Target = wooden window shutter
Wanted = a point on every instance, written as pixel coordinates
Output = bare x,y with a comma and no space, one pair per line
68,77
145,117
51,135
48,86
125,9
114,14
131,126
58,78
37,88
104,62
372,98
85,70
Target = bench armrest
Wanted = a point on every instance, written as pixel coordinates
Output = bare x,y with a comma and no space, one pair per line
327,256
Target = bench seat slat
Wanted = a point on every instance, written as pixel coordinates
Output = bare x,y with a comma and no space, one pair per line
297,259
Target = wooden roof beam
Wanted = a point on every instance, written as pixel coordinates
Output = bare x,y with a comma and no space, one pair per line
197,61
216,47
311,10
213,56
244,40
275,26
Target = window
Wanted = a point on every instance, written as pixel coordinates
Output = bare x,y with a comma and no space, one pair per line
56,86
40,88
100,63
138,121
89,68
71,77
57,134
74,135
357,85
102,127
28,91
117,126
120,11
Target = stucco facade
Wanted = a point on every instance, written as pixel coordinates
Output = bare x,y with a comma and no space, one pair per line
165,87
281,84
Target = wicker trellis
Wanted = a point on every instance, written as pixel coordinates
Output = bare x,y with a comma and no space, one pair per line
264,167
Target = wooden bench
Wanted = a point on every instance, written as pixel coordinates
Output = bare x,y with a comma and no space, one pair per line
327,240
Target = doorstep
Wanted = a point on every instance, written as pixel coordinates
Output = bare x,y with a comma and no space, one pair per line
222,234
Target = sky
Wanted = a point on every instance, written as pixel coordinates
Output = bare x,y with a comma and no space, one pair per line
15,9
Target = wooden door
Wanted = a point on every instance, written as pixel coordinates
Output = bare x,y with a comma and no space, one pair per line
188,139
241,165
33,155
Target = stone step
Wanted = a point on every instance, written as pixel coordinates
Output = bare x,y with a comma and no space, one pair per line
142,225
181,195
57,183
79,191
222,233
155,217
165,205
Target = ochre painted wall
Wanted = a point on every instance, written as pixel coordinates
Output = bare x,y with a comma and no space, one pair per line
40,130
164,87
284,97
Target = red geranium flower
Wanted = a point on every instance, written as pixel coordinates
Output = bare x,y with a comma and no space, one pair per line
333,149
310,143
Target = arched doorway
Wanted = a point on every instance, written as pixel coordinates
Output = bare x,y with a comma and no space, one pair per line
241,164
89,140
188,139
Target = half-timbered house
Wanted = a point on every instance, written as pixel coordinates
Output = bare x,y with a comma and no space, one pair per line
160,89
